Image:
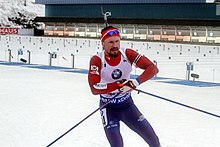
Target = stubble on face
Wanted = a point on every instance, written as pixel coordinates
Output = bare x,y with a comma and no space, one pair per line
114,51
111,46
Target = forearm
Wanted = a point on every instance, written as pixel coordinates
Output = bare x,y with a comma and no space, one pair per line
144,63
148,73
103,88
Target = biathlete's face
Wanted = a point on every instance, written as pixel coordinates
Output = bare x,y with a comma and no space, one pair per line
111,45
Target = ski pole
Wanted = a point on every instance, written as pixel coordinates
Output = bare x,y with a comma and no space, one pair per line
175,102
82,121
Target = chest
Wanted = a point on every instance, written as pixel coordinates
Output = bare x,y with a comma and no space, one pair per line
111,73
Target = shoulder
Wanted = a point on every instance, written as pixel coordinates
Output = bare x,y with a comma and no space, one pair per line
95,60
129,51
131,54
95,57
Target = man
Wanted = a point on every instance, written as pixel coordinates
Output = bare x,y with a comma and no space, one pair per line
109,76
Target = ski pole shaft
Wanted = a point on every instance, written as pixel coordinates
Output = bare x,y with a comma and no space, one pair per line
175,102
81,121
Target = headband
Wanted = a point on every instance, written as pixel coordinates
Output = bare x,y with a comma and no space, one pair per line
109,33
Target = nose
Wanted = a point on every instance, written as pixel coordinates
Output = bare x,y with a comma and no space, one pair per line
114,44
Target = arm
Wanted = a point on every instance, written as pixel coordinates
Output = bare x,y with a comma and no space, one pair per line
94,78
144,63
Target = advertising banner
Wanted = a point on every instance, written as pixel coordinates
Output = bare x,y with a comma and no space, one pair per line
4,31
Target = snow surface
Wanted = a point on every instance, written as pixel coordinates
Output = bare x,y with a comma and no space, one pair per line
10,8
38,105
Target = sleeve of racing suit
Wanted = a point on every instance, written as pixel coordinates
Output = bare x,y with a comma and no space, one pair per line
94,78
150,69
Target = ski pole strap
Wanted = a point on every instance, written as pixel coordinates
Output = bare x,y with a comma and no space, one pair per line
178,103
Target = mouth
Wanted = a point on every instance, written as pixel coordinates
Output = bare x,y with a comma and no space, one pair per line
114,49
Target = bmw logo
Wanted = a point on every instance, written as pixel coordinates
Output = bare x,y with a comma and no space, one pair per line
116,74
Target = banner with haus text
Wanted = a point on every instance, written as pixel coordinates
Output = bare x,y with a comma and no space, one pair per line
4,31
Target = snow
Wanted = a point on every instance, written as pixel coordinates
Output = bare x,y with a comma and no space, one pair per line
10,8
39,105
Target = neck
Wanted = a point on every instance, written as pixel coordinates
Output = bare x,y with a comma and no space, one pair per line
112,60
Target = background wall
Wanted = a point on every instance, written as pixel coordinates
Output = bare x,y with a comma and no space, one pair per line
115,1
137,11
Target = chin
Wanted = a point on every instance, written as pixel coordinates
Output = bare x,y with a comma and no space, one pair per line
114,53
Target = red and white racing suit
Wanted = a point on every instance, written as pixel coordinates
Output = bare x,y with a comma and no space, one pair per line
104,73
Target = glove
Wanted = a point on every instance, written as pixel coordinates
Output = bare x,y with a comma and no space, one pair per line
127,85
